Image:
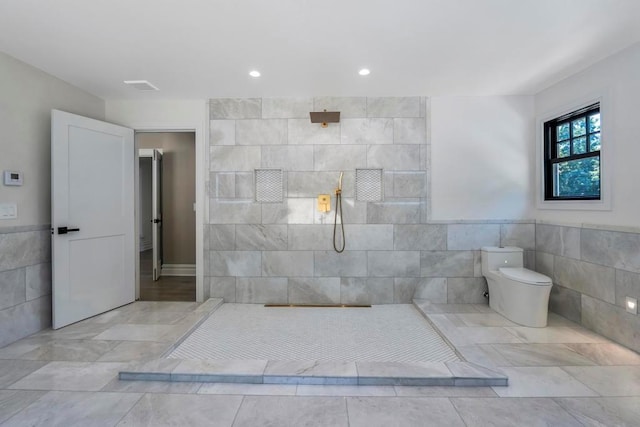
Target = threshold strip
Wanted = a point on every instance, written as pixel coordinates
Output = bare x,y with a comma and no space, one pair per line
318,305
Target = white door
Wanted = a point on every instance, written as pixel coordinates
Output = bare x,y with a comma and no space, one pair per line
92,217
156,206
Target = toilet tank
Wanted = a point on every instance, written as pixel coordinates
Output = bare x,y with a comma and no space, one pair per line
494,257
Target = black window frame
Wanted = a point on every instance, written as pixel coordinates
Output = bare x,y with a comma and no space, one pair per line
551,149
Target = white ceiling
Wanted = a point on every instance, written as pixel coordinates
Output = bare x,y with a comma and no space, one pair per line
205,48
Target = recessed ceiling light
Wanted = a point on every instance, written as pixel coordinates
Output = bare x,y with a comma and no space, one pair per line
140,84
254,73
364,72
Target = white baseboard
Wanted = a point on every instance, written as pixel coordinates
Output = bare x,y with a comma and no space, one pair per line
178,270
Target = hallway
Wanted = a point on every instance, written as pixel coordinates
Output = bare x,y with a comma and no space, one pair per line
167,288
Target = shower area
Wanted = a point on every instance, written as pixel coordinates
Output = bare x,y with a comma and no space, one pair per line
315,202
307,203
316,246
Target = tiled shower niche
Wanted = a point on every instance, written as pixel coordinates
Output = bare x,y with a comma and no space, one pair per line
283,252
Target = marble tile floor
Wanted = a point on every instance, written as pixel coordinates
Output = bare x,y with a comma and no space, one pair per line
564,376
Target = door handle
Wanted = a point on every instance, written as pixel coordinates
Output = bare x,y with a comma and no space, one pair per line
156,221
65,230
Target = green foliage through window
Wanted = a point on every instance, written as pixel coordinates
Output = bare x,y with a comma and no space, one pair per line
572,155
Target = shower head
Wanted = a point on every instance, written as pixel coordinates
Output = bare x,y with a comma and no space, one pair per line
325,117
340,181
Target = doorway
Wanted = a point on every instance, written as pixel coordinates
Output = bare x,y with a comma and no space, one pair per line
166,217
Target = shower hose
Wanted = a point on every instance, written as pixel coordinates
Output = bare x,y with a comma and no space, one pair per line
335,223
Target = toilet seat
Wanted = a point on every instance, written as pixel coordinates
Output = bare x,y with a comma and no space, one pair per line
525,276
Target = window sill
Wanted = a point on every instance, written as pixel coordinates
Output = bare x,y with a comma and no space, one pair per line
575,205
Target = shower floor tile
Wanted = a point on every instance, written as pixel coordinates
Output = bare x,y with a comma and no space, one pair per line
383,333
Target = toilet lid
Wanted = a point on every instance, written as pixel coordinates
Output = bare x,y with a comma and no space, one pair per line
525,276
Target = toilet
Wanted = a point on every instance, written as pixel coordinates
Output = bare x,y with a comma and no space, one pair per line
519,294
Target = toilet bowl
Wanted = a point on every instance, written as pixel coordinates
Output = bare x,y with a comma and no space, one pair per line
519,294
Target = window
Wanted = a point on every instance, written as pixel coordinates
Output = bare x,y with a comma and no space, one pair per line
572,156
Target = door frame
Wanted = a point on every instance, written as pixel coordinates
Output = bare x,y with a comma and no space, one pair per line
149,153
200,178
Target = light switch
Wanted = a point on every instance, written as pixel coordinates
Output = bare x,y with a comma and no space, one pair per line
8,211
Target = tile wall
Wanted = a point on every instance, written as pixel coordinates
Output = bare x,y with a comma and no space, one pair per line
593,271
283,253
25,282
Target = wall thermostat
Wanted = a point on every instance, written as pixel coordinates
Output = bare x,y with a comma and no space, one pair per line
12,178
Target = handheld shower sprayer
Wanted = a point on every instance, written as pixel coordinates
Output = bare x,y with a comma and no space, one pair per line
338,248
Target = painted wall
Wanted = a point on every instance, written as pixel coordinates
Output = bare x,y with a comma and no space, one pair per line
616,75
178,193
157,113
27,96
482,151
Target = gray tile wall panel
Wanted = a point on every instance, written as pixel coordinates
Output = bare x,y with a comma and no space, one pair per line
222,132
520,235
259,237
558,240
627,285
348,107
366,291
425,237
38,281
472,236
261,132
287,264
394,263
466,291
367,131
408,212
566,302
24,248
12,287
590,279
409,131
288,157
303,132
314,290
286,108
235,263
347,264
432,289
447,264
610,248
611,321
224,158
394,107
262,290
235,108
394,157
222,287
25,282
25,319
